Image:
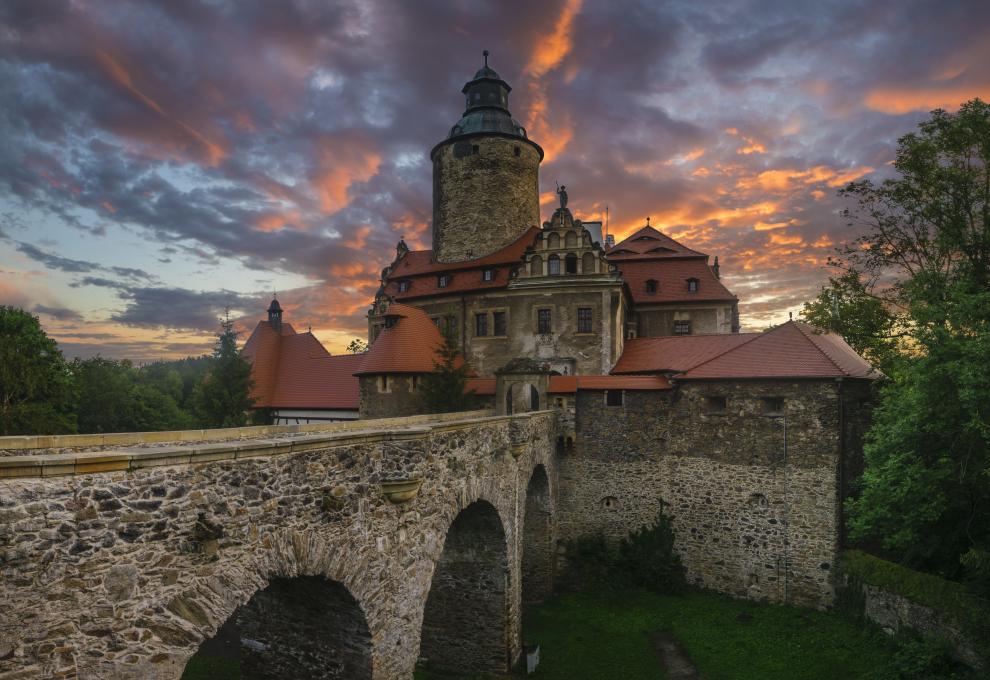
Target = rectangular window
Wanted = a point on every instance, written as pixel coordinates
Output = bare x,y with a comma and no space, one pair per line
584,320
682,328
692,285
443,280
554,266
403,286
613,397
488,275
498,321
773,406
383,383
715,404
543,321
481,324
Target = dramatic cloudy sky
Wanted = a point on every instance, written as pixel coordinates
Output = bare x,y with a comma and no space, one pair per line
162,160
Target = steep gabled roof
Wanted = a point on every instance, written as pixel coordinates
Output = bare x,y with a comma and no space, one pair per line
650,243
676,353
791,350
409,345
294,370
672,276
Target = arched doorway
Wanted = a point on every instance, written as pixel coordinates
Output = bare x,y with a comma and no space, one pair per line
465,619
306,627
537,548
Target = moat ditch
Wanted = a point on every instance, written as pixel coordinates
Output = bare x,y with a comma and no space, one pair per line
610,635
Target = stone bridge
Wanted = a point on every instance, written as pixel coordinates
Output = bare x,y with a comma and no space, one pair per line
334,551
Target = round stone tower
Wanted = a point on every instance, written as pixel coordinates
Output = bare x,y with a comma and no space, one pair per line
486,176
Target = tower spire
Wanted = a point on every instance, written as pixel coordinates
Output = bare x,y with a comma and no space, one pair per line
485,53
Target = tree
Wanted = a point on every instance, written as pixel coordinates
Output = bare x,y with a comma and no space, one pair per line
223,397
36,388
443,390
849,306
357,346
925,493
105,387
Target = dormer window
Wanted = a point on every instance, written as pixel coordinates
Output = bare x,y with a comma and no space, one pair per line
403,286
692,285
651,286
488,274
443,280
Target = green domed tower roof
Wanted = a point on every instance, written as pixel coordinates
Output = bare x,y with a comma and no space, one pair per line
487,98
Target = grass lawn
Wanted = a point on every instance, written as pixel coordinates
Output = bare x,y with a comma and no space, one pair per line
607,636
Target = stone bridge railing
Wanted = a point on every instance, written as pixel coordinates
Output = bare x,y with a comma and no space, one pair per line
118,563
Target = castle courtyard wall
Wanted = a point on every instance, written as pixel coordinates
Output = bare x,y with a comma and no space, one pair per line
751,518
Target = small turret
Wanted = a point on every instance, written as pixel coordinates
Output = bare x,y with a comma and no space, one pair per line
275,315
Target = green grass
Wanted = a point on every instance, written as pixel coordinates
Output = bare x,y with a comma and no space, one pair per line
603,636
201,667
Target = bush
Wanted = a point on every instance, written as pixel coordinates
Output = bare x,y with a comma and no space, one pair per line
645,559
918,659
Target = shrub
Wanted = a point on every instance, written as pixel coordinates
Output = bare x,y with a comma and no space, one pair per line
647,558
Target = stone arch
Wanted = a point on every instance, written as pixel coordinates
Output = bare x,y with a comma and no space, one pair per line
553,265
306,627
570,240
465,623
536,266
588,263
537,538
553,241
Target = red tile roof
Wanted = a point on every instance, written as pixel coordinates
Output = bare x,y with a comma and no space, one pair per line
791,350
650,243
675,354
293,370
418,268
569,384
483,387
672,277
409,346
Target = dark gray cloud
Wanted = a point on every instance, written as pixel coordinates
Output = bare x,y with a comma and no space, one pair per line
60,313
293,137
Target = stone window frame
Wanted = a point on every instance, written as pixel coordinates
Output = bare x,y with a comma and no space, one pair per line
481,324
609,398
537,319
504,311
682,327
591,321
489,315
384,387
554,259
715,404
772,406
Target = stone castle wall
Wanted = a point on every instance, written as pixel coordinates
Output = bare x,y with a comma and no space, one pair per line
752,519
485,195
121,574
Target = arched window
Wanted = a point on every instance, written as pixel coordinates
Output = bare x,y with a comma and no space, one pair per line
553,241
534,399
570,263
588,263
553,263
536,266
570,240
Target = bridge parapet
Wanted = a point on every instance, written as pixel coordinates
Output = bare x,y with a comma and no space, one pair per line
118,563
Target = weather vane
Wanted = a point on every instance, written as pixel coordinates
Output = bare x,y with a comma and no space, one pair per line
486,58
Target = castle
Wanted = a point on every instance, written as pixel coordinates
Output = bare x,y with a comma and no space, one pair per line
751,439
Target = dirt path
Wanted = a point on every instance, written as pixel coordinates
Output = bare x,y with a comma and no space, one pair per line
674,658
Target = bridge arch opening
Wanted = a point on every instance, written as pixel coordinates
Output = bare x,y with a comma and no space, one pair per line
465,628
306,627
537,539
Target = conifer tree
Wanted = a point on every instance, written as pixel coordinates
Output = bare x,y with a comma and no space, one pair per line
223,397
443,390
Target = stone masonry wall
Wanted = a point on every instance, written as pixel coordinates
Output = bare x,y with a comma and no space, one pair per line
751,519
483,200
121,574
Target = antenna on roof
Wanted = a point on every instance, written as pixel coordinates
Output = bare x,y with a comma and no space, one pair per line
606,223
485,53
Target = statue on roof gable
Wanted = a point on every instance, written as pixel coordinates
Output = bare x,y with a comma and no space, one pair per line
562,193
400,249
